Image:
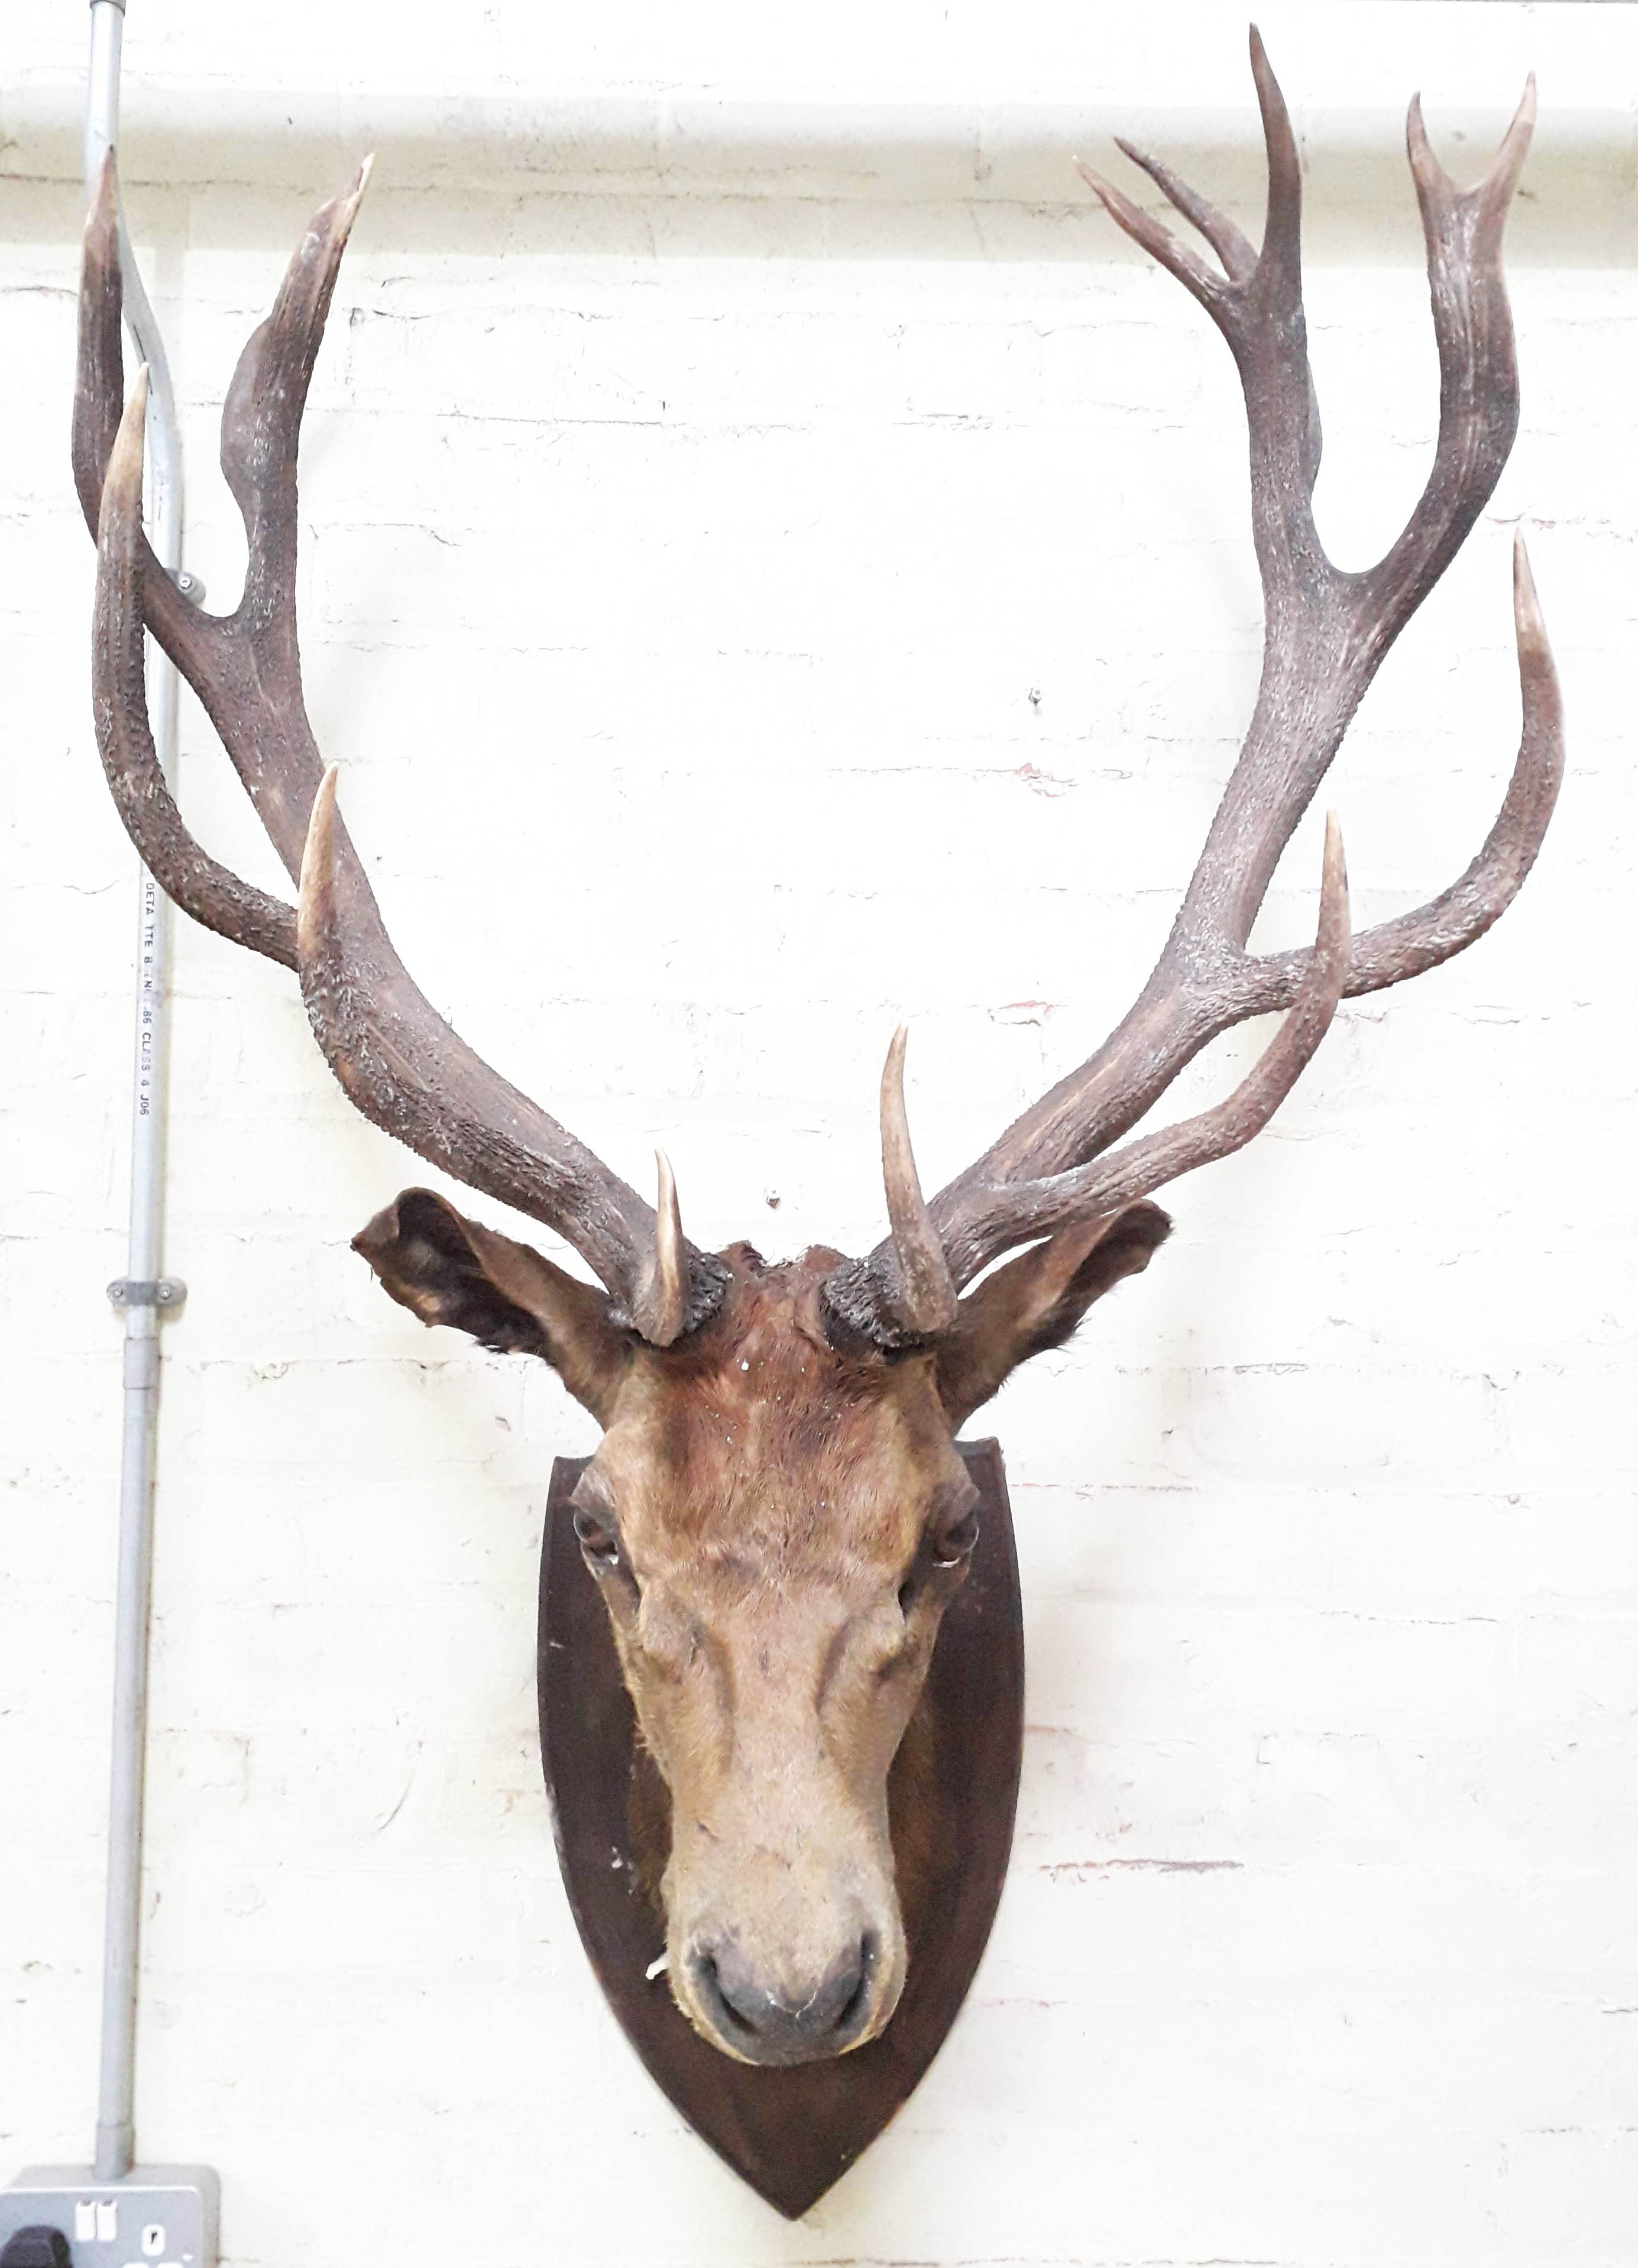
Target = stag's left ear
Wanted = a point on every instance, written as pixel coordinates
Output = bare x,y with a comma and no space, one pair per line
1036,1301
448,1269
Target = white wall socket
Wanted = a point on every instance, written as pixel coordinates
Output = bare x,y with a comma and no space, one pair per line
157,2217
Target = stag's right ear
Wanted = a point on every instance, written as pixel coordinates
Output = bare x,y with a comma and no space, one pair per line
446,1269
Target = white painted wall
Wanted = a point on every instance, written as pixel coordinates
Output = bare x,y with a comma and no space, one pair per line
758,589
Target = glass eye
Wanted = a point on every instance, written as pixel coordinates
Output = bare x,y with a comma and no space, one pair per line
596,1524
954,1531
598,1540
956,1543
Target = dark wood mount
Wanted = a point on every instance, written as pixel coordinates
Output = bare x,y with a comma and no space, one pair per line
789,2133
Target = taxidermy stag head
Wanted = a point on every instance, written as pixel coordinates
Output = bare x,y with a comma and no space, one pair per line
777,1514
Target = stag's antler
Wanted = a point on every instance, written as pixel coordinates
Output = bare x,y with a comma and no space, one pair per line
1326,633
398,1060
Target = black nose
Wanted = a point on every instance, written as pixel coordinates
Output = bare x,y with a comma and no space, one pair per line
776,2027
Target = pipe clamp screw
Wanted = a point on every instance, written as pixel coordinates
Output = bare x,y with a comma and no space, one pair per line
147,1291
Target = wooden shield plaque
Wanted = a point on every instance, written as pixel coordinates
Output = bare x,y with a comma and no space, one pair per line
790,2132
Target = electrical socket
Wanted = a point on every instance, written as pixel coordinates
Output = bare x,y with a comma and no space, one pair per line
157,2217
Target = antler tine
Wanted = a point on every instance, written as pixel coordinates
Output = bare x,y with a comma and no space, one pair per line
1022,1211
1327,632
1232,247
276,758
99,378
1473,330
184,871
1178,258
399,1060
661,1309
1282,227
244,666
98,404
1495,191
1410,943
925,1302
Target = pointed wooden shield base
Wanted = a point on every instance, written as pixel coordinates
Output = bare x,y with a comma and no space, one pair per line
789,2133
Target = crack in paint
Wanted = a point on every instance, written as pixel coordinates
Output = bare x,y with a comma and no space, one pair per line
1080,1869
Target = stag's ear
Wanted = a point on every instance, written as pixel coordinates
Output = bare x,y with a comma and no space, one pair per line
446,1269
1036,1301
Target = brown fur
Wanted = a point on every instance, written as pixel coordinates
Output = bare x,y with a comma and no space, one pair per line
910,1800
777,1524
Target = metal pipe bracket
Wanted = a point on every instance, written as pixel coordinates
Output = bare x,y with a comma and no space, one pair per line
147,1291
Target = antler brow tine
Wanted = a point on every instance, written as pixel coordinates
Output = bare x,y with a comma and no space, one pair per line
926,1297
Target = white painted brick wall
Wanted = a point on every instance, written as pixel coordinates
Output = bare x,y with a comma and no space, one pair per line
681,557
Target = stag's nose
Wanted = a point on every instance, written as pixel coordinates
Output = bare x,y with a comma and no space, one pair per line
777,2026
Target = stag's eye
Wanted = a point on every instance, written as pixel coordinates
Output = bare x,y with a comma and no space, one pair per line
600,1541
947,1540
594,1524
953,1529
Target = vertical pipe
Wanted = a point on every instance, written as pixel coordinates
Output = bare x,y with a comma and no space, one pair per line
115,2123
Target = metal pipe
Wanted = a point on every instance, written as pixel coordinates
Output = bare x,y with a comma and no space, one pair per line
142,1295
